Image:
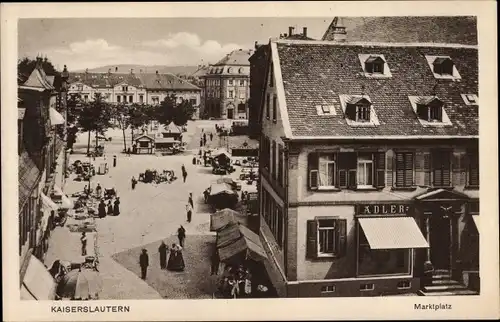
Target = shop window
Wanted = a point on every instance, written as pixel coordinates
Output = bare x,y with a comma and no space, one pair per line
242,108
326,237
328,289
367,287
403,285
441,164
404,169
375,262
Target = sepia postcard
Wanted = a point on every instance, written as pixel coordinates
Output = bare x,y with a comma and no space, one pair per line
250,161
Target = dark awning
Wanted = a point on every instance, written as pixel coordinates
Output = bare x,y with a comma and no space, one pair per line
235,239
224,218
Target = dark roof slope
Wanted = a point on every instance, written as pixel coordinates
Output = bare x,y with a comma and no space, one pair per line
316,73
449,29
29,175
236,57
146,80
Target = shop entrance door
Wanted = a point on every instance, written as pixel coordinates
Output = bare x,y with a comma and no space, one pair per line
230,113
440,240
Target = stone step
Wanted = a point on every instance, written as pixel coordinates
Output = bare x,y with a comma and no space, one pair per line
441,276
444,282
444,288
445,293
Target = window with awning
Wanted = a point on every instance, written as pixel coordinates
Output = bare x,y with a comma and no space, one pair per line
385,245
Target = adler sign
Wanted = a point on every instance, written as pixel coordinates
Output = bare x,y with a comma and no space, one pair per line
383,209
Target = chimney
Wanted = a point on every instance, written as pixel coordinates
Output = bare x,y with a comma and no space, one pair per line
339,33
285,35
290,31
304,31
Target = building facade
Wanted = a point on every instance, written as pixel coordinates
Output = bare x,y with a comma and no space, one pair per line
258,71
369,171
141,88
226,85
42,158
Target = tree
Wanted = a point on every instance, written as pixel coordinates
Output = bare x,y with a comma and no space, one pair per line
137,117
95,116
164,113
183,112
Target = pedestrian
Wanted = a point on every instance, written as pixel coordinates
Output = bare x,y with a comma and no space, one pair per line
189,211
181,234
128,151
110,208
144,263
102,209
204,140
116,208
98,190
211,136
201,143
163,249
176,260
83,240
205,137
190,200
184,173
114,161
214,270
134,182
199,152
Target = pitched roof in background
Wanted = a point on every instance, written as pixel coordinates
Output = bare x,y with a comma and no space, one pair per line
236,57
149,80
38,79
311,72
29,175
200,71
435,29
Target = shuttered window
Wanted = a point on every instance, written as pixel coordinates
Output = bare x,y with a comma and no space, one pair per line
404,169
379,159
326,237
441,163
347,164
312,171
473,176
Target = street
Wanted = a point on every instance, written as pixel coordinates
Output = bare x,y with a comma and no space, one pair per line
149,214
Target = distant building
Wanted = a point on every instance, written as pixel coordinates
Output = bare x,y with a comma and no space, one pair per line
258,71
227,87
139,88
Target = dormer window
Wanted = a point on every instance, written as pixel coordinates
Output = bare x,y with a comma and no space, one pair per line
470,99
325,109
358,109
443,66
125,88
430,109
374,64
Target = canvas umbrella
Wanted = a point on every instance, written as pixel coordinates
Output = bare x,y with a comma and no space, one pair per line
82,284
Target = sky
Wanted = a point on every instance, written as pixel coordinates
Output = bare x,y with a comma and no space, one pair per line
83,43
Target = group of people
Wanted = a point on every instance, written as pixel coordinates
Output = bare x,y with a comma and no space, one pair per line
175,259
203,138
236,282
107,206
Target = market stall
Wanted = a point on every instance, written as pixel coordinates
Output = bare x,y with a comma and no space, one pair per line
221,195
225,217
144,143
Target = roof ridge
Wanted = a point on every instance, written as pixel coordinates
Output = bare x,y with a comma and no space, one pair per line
374,44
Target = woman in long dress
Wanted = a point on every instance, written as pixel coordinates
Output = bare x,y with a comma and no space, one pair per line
163,249
116,209
176,260
110,208
102,209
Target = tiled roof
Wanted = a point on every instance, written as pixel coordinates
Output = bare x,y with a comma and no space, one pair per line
38,79
236,57
29,175
149,81
316,73
450,29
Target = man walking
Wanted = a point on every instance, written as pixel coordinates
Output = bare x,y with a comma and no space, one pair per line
134,182
211,136
190,200
189,211
144,263
83,240
184,172
181,234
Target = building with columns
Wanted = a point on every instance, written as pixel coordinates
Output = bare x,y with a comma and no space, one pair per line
369,168
226,89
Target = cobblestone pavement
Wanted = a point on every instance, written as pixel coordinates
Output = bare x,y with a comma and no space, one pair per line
149,214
